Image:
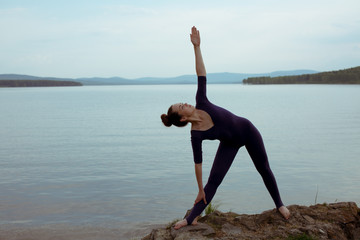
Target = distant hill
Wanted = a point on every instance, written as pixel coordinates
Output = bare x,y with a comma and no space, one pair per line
345,76
224,78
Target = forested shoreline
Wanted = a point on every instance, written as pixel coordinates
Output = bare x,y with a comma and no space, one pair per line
346,76
37,83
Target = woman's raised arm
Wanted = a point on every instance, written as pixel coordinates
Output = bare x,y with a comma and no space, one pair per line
199,63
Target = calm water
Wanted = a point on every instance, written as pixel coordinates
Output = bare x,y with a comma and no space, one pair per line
100,156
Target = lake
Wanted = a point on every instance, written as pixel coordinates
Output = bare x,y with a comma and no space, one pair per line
98,157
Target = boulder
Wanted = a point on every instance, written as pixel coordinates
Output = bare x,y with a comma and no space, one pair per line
322,221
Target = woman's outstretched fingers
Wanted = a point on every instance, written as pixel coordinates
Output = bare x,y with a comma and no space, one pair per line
195,36
193,30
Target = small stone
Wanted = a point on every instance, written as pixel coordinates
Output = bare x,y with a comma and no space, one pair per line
356,233
231,229
190,236
161,234
309,219
201,228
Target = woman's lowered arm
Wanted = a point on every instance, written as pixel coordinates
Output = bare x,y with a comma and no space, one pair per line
198,174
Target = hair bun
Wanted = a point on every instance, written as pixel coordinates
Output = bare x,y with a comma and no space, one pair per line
165,120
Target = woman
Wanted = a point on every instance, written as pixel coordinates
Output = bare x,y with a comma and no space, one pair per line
209,121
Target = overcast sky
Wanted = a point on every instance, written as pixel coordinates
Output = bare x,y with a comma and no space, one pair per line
140,38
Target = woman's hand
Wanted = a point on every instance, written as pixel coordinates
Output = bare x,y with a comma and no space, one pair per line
200,197
199,63
195,37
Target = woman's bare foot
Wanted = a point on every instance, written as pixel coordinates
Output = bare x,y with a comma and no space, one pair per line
183,223
180,224
284,212
195,221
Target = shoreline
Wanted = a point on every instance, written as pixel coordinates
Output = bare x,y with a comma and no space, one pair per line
339,220
304,220
127,231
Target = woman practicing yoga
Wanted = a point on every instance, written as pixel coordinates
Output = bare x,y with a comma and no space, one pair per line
209,121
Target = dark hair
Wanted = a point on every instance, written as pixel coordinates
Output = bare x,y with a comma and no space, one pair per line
172,118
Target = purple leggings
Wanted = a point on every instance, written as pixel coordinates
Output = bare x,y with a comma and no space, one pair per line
222,162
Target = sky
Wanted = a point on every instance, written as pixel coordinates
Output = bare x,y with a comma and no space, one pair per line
150,38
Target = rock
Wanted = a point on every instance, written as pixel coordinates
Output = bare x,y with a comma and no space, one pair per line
159,234
356,233
322,221
309,219
231,230
200,229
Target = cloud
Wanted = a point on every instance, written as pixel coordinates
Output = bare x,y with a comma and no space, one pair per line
132,40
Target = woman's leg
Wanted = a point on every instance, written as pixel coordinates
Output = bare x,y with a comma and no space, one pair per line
256,149
222,162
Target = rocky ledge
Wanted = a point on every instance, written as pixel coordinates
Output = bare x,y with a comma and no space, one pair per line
322,221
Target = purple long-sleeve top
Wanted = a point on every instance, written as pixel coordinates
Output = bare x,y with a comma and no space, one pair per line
228,128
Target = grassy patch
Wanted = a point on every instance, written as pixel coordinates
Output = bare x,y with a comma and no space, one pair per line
301,237
211,208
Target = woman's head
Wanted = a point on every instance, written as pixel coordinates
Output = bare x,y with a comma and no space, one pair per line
177,115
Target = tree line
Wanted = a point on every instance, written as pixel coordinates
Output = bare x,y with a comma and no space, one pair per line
37,83
346,76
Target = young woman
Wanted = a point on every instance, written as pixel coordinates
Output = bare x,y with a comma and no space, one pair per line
209,121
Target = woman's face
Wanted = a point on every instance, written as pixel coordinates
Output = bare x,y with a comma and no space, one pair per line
183,109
